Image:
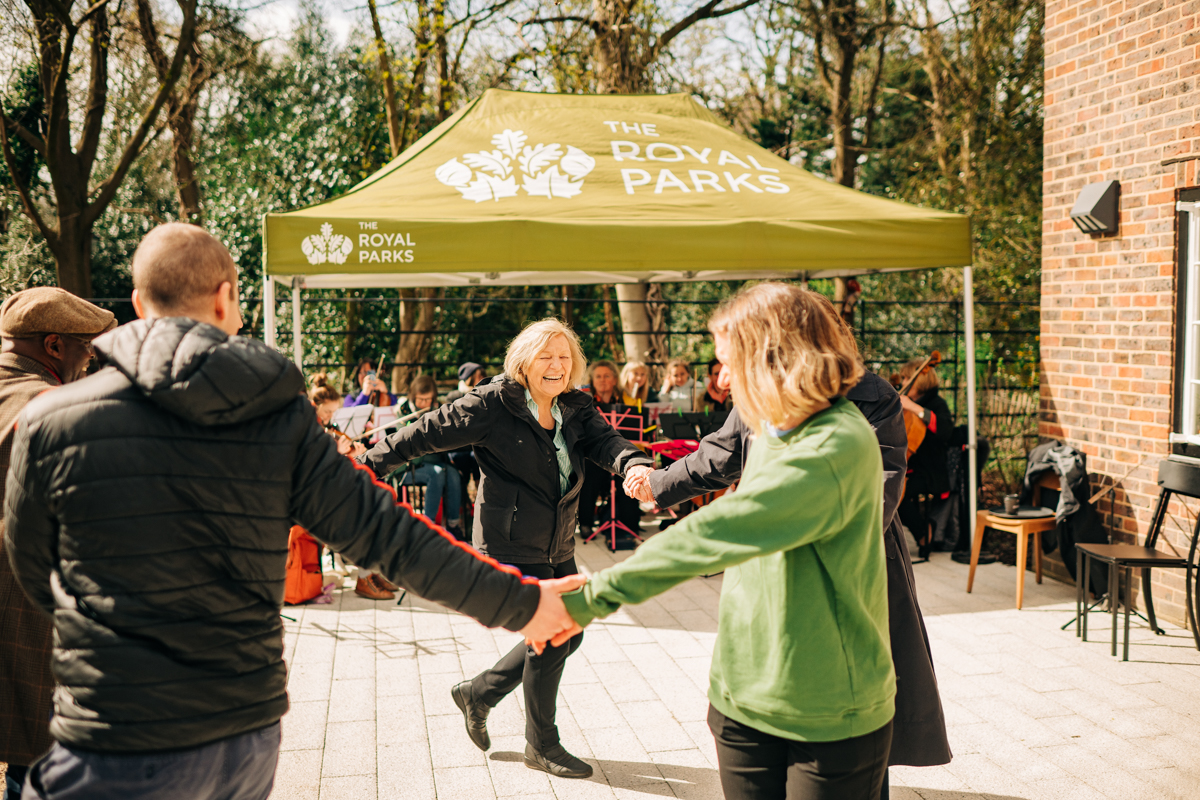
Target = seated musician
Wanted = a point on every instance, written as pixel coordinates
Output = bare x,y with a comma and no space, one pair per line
928,476
597,481
679,388
327,399
635,385
715,398
435,472
374,391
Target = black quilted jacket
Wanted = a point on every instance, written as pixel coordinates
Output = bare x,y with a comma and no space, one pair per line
523,517
148,510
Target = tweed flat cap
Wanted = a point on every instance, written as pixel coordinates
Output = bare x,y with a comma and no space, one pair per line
48,309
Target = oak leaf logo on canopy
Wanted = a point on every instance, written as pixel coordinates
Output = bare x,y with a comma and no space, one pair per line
329,246
547,171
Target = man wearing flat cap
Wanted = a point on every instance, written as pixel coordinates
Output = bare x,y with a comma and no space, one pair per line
47,341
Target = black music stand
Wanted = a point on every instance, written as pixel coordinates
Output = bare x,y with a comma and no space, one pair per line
626,423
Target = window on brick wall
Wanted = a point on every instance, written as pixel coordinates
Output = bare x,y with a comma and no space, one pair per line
1186,435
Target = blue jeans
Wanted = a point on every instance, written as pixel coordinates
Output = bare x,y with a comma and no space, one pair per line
238,768
439,480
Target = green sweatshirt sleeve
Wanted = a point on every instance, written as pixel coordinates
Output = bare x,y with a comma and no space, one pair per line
793,499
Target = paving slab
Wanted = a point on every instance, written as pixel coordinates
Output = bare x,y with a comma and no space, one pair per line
1033,712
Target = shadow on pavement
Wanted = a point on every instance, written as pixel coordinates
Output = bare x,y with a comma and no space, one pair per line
645,777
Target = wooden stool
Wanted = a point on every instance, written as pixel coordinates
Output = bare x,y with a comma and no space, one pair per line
1035,519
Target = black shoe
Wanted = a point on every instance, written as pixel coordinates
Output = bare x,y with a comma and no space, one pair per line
557,761
474,713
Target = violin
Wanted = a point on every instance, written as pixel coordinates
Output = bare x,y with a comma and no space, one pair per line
914,428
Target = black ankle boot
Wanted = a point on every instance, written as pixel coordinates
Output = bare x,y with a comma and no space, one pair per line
557,761
474,713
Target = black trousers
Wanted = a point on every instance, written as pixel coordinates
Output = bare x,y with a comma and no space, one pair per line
540,675
758,766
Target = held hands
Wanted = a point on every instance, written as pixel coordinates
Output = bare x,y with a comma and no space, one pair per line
551,621
637,484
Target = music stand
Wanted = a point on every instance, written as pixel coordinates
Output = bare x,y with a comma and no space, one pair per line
624,422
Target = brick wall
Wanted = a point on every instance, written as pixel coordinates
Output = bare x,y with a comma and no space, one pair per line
1122,103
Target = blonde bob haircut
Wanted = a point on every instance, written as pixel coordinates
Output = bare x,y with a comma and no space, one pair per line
532,340
789,352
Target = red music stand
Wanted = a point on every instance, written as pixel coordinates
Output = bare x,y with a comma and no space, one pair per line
631,425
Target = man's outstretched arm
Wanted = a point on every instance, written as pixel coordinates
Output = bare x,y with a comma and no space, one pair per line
342,505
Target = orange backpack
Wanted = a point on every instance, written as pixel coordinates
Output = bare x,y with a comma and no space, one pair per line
303,567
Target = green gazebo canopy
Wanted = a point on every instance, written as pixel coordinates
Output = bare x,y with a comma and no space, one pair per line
523,188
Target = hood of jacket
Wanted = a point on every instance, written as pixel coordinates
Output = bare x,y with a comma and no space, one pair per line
196,371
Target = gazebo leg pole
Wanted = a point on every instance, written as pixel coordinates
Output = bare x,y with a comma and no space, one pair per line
969,335
297,340
269,311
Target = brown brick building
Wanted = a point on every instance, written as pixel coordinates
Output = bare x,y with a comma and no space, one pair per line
1123,103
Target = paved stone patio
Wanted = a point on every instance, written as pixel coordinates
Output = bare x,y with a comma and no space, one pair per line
1033,712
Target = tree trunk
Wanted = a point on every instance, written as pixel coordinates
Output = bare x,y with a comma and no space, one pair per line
417,317
844,30
389,83
635,320
610,328
187,186
614,60
445,89
352,318
73,254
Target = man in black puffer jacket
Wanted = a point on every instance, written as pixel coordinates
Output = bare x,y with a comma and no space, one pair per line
148,509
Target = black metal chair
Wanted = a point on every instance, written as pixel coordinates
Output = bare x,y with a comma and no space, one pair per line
1174,477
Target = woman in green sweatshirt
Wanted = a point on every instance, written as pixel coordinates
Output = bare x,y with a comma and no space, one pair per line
801,686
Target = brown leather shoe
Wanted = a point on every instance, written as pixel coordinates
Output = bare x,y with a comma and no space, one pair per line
365,587
383,583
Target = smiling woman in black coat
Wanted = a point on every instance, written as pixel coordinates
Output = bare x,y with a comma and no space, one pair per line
531,431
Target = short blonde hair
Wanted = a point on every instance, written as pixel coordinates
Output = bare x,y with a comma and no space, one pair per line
789,352
924,382
532,340
627,371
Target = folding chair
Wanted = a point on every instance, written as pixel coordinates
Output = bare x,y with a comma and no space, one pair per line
1174,477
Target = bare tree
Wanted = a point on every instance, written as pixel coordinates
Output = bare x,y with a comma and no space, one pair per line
67,227
184,98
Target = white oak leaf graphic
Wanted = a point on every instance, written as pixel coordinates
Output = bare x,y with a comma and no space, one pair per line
486,187
509,142
453,173
535,159
561,185
339,248
493,162
577,163
314,249
538,185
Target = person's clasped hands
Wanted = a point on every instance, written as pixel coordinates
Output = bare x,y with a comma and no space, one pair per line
637,484
551,620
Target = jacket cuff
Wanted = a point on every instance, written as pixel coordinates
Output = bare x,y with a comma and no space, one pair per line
530,595
577,606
